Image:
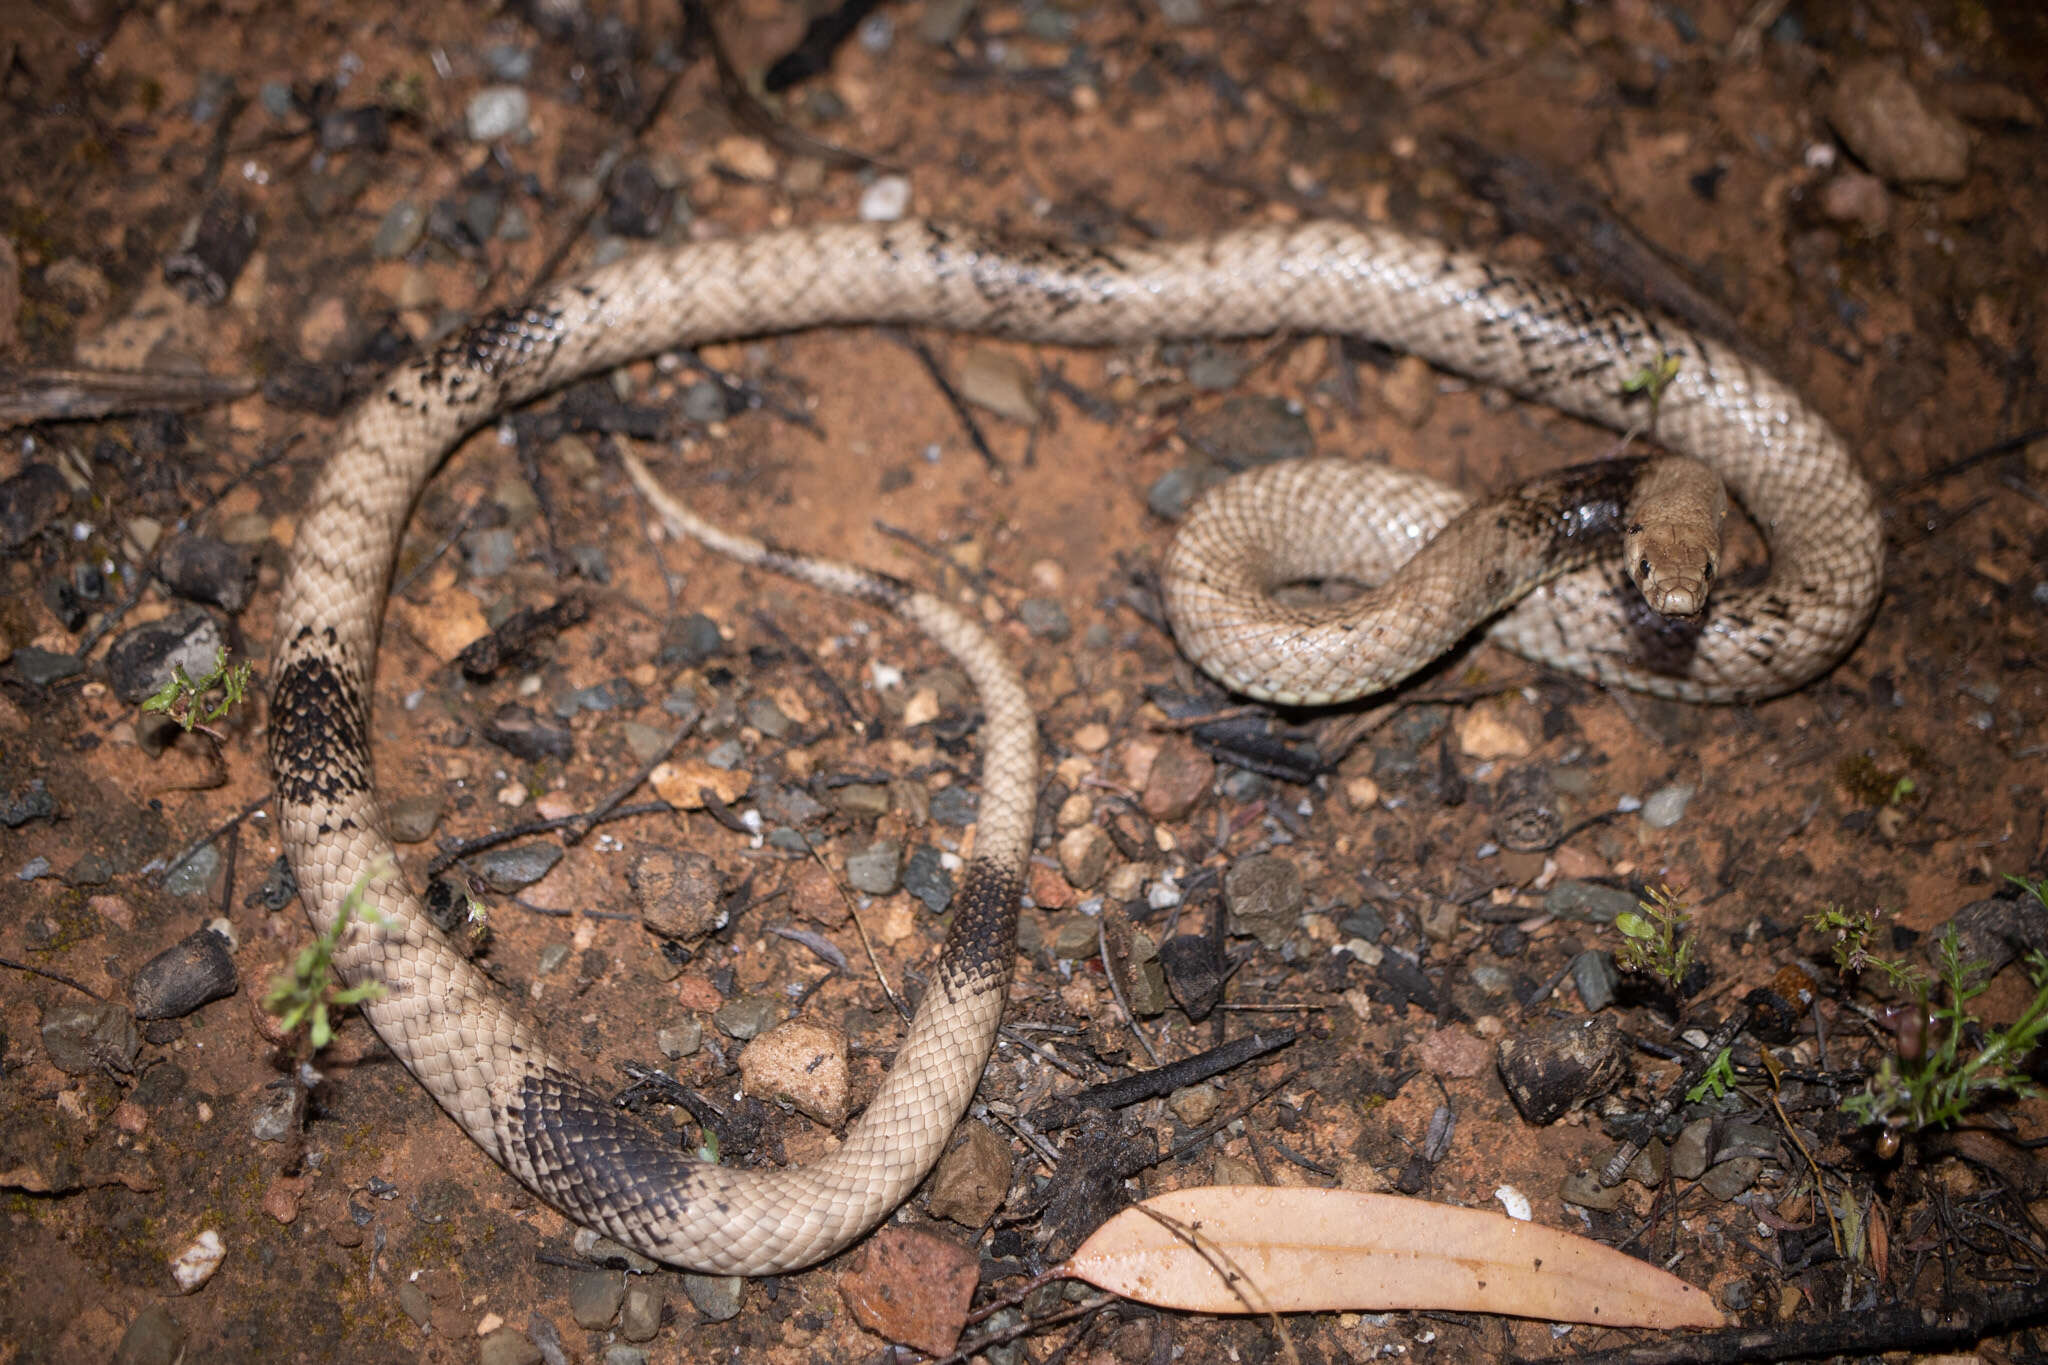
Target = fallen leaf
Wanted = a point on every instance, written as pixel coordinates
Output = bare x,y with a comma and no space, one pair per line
1254,1249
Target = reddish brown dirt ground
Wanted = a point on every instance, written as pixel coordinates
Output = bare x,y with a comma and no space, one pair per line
1911,315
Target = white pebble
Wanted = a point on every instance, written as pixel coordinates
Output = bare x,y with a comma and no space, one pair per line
496,111
196,1263
885,201
1514,1201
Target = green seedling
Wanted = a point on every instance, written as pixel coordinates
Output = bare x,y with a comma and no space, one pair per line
304,995
1659,942
184,698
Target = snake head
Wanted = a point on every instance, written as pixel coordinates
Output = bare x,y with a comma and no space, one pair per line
1672,538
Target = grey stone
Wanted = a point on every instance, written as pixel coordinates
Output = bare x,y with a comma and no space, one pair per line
194,876
594,1298
955,805
1491,979
35,867
508,62
413,1300
1171,492
717,1297
1585,1190
764,715
1731,1178
523,734
209,570
861,800
681,1039
644,742
143,659
1365,922
489,552
508,1346
1587,902
1593,972
1649,1166
195,971
704,403
748,1016
277,1112
1045,618
1665,806
412,818
1689,1149
619,1353
925,877
1264,894
39,667
496,111
641,1317
81,1039
399,231
154,1337
1748,1139
506,870
875,868
691,640
551,958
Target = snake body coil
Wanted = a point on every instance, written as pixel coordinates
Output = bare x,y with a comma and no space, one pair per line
481,1061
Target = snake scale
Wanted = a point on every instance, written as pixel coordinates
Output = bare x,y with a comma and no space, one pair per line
482,1061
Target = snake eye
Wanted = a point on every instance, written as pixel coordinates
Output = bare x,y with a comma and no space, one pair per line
1643,567
1708,572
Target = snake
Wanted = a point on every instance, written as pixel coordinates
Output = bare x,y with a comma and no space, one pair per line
484,1062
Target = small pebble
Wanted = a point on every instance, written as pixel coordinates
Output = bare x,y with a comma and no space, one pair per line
640,1319
1588,902
746,1016
802,1063
81,1040
679,894
1594,974
1045,618
875,868
496,111
925,876
508,1346
1585,1190
885,201
1264,894
681,1039
716,1297
154,1337
1689,1149
399,231
195,1265
1730,1178
972,1179
505,870
594,1298
1665,806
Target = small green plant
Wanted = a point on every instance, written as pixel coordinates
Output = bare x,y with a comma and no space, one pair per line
306,993
1718,1081
184,699
1936,1072
1659,942
1653,378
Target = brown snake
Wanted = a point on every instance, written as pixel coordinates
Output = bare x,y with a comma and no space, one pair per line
481,1060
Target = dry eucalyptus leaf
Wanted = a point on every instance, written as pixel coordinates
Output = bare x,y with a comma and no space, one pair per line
1257,1249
